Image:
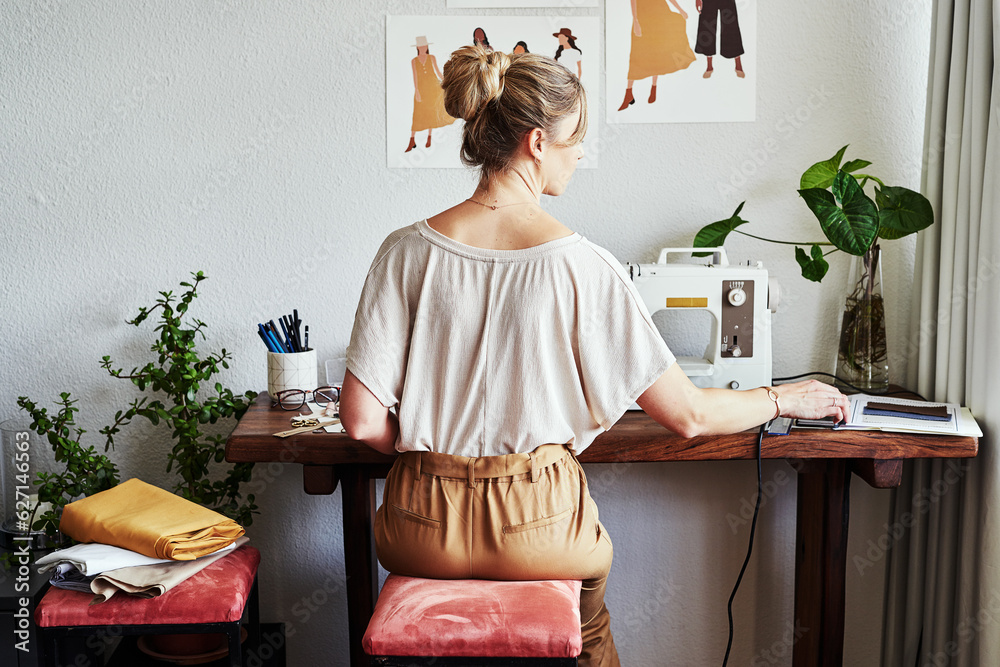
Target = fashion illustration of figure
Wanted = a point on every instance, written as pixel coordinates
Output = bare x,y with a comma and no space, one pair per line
659,44
479,38
520,47
428,97
712,13
568,53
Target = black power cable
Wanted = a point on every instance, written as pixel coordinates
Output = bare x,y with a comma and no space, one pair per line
753,530
760,490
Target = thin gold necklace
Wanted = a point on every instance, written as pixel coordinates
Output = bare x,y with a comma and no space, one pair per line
495,207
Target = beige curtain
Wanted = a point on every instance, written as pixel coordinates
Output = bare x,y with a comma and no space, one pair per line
943,583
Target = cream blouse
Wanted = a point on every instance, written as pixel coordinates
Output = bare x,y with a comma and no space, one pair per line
487,352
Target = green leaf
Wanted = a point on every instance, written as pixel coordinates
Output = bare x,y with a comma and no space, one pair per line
853,224
813,268
902,212
853,165
712,235
821,174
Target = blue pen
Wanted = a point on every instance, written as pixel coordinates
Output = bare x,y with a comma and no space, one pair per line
287,339
277,337
263,337
262,332
278,347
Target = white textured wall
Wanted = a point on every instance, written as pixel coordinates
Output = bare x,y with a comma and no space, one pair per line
140,141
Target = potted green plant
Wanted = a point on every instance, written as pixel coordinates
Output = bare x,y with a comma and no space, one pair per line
84,470
853,222
176,381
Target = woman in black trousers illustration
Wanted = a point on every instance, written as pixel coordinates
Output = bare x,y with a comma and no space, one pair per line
711,14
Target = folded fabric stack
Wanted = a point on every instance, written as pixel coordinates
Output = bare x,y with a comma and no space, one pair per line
138,539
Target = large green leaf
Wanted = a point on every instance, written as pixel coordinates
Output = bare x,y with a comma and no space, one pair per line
902,212
847,215
714,235
854,165
821,174
815,267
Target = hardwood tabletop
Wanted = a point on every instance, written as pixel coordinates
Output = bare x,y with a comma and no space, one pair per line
635,438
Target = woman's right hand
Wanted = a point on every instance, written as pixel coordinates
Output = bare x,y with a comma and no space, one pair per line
676,403
812,399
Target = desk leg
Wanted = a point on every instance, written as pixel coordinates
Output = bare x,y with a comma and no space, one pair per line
821,561
358,494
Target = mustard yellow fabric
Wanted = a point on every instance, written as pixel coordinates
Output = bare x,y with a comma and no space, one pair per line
145,518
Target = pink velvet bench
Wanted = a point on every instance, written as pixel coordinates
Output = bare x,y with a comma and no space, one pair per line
474,622
211,601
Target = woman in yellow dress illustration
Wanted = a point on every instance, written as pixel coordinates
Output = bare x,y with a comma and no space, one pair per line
428,97
659,44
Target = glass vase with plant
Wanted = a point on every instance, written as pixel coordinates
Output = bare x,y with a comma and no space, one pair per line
853,222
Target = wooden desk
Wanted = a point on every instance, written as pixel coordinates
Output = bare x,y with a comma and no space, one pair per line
823,460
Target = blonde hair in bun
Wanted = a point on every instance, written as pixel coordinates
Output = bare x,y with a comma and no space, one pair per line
503,97
473,76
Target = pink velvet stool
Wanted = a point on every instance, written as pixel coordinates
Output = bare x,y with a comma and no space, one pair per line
212,601
475,622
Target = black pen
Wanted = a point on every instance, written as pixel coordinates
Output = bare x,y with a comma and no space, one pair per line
287,339
307,338
297,324
286,324
295,332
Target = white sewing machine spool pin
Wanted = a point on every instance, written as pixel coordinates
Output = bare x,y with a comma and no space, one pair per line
740,300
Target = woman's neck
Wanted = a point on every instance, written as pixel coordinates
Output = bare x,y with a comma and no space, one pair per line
513,187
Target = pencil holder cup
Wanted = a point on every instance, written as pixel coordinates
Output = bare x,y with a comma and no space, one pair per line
291,370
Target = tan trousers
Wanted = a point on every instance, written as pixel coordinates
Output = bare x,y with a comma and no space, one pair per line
515,517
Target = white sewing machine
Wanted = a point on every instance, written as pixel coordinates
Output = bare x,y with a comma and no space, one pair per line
738,354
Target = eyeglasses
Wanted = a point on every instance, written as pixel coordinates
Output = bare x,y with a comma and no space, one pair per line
293,399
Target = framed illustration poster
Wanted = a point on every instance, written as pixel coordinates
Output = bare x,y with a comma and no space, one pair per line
681,61
419,132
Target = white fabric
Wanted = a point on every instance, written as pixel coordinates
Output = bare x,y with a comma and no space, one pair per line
943,589
91,559
490,352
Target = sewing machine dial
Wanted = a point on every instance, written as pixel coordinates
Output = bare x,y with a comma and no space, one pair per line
737,297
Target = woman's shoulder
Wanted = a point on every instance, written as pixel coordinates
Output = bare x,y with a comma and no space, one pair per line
398,241
600,258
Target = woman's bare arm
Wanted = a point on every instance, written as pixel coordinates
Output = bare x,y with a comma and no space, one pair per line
365,418
687,410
